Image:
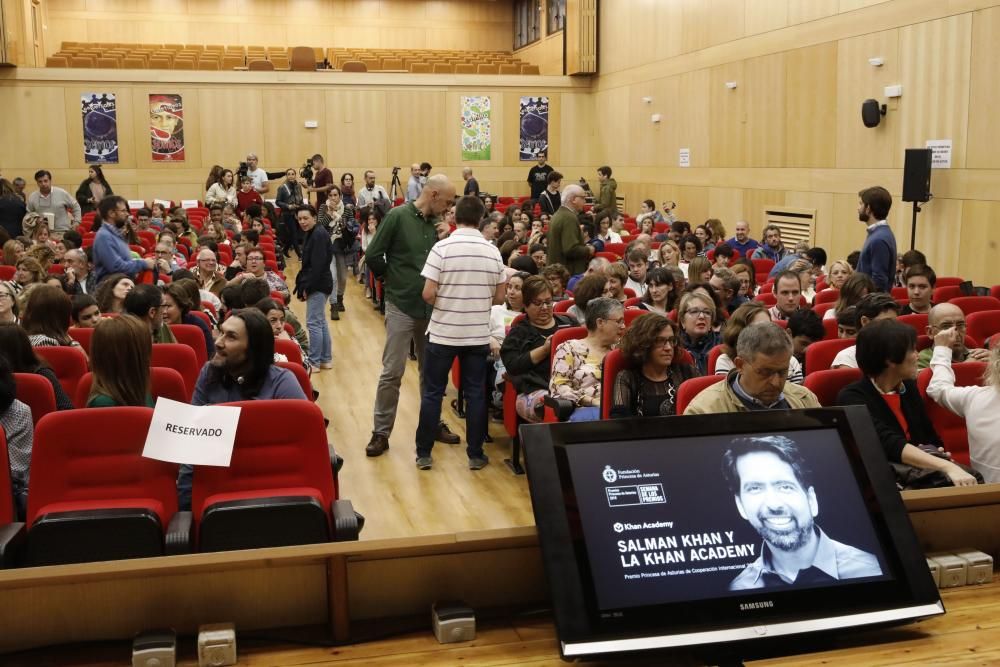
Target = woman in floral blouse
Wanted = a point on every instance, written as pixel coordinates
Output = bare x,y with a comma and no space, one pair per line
576,367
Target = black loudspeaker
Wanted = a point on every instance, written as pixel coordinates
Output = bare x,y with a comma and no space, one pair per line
917,175
871,113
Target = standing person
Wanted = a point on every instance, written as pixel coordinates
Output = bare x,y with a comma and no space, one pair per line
322,180
340,222
463,278
50,199
258,175
607,199
92,190
538,176
289,199
549,200
878,254
399,251
371,195
222,191
347,189
416,183
12,209
566,245
247,196
110,252
19,186
471,184
314,284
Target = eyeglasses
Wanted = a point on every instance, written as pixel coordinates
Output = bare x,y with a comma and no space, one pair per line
768,373
664,341
6,295
619,321
542,304
697,312
948,325
255,259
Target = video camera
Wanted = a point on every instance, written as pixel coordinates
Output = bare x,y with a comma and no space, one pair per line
306,171
242,171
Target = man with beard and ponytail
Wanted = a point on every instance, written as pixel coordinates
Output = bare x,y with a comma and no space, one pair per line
772,486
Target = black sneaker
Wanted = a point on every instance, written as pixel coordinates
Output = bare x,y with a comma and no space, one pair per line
424,463
334,313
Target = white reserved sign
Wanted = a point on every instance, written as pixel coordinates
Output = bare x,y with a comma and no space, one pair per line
136,204
189,203
197,435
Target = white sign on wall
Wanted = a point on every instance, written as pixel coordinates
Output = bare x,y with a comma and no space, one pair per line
685,157
940,153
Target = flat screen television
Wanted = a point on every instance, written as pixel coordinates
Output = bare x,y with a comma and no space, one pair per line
699,530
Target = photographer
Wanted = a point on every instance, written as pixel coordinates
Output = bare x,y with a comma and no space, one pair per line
374,196
322,181
289,200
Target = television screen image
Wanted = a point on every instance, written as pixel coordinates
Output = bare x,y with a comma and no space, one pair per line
715,530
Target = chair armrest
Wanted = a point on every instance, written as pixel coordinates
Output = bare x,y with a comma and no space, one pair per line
179,534
347,524
11,540
562,407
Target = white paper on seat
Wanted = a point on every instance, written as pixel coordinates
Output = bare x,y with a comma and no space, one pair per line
196,435
164,202
136,204
189,203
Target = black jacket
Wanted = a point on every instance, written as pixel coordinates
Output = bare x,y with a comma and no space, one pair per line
315,276
12,212
889,430
526,375
549,202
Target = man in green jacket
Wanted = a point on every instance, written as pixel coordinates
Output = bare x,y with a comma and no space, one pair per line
566,245
607,200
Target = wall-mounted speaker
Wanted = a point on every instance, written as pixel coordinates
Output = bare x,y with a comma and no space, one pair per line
917,175
872,112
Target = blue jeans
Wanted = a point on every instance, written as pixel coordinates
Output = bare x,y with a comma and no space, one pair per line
320,347
585,415
434,380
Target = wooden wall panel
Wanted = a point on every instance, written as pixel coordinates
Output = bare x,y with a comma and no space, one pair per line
692,127
801,11
416,123
857,145
725,204
984,98
811,108
765,16
348,114
233,127
35,122
935,61
979,248
287,142
822,203
754,203
727,116
765,110
547,53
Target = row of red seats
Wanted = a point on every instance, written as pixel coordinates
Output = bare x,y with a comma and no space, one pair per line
96,498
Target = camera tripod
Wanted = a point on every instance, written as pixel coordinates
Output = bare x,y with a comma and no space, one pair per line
395,188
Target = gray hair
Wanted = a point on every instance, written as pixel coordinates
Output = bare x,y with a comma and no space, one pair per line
763,338
466,170
569,192
603,307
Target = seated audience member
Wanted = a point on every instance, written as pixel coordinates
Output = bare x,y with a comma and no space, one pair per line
253,291
78,278
809,258
16,350
146,303
177,307
668,255
537,253
527,349
699,271
15,420
638,264
741,242
596,265
591,287
9,308
503,314
979,406
589,233
787,290
919,280
727,287
723,256
716,232
44,254
120,353
646,226
759,380
557,276
855,287
577,363
276,315
209,275
27,271
605,231
904,262
772,248
705,236
257,269
647,387
847,322
853,258
887,356
690,248
247,196
660,296
695,316
177,256
720,312
839,272
875,306
524,264
750,313
165,262
743,270
648,212
946,316
805,327
617,277
46,317
85,312
678,230
13,251
111,293
238,265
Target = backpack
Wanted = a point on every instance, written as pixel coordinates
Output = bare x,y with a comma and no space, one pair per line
382,205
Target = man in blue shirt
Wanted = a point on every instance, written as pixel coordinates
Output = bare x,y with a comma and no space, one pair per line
878,254
742,243
111,253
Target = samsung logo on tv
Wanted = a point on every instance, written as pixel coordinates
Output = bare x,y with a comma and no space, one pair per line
750,606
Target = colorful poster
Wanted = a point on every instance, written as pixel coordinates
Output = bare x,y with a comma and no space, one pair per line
534,127
476,138
166,127
100,128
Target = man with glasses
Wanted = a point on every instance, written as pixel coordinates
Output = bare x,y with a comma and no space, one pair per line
79,278
566,244
110,251
463,278
165,258
759,380
208,275
946,316
256,268
257,175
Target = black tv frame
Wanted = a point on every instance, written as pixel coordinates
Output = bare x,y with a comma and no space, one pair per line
734,622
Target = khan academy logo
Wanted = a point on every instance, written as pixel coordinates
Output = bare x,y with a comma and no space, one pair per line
609,475
619,527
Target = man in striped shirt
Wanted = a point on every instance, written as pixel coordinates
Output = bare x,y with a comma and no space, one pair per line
463,277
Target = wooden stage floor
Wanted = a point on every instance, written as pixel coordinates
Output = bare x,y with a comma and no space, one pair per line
397,499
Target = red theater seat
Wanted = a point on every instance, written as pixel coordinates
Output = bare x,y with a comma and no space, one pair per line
829,295
916,320
551,403
948,425
36,392
827,384
299,371
11,531
821,354
182,359
691,388
614,363
713,358
976,304
68,363
193,337
290,349
165,382
982,325
82,335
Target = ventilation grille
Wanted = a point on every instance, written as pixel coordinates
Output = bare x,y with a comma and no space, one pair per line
796,224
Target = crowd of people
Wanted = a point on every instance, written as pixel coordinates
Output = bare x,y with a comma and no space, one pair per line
466,278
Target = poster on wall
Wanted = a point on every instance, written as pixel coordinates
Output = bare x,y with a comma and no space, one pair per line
166,127
100,128
476,137
534,127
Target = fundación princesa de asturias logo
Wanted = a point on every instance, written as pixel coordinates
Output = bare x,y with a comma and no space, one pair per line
609,474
